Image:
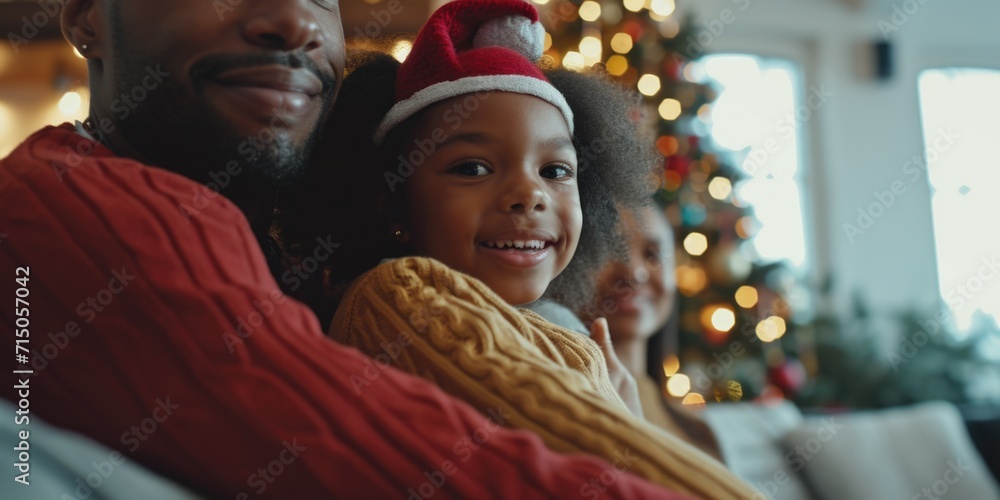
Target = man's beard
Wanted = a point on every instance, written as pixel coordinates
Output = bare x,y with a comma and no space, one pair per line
184,133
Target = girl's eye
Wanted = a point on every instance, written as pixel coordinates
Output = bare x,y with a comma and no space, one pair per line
470,169
557,171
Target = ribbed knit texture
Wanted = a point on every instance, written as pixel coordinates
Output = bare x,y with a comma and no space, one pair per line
168,336
466,339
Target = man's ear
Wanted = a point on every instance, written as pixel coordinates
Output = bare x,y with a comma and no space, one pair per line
387,212
82,23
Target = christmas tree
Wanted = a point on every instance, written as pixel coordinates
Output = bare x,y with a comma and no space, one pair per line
736,334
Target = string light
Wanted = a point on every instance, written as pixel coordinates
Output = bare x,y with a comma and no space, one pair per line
746,296
696,244
621,43
649,84
771,329
634,5
617,65
669,108
671,365
70,103
401,49
693,399
573,61
691,280
667,145
662,8
590,11
672,180
678,385
720,188
548,42
723,319
590,47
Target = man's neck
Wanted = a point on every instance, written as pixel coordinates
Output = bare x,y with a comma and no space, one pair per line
256,201
257,204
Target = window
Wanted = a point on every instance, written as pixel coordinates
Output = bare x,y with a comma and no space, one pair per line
961,122
756,118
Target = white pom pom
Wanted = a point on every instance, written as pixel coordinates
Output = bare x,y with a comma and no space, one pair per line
513,32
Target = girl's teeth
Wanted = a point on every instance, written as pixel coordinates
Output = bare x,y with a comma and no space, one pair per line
519,244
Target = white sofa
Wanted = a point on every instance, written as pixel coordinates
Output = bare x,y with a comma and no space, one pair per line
917,452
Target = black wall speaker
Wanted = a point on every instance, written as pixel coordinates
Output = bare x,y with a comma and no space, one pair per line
883,59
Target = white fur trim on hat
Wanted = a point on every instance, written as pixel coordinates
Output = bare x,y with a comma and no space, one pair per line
517,33
471,84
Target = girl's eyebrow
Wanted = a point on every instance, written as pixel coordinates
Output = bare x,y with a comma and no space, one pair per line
470,137
559,142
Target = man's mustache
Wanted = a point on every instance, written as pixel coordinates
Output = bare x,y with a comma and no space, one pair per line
210,66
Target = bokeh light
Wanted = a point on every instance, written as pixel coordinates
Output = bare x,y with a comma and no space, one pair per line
678,385
746,296
617,65
671,364
621,43
649,84
670,109
401,49
573,61
590,11
696,244
720,188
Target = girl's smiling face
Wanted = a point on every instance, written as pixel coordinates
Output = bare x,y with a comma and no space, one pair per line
497,197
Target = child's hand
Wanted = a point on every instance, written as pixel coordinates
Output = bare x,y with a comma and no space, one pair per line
621,379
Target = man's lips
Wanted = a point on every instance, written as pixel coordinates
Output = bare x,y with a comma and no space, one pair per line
272,77
276,89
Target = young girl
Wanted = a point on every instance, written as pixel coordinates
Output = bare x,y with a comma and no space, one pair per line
477,166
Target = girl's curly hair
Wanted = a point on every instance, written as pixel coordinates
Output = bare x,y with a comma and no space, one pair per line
342,196
617,161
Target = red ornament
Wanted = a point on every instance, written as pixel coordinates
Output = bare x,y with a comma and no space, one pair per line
790,377
671,68
634,29
679,164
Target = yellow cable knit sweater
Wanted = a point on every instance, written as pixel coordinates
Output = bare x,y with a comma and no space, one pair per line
459,334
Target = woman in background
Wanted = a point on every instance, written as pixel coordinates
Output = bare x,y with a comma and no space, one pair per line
637,297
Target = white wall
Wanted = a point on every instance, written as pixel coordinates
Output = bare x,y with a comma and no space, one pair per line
861,138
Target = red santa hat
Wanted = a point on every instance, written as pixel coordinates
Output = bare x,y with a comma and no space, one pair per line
471,46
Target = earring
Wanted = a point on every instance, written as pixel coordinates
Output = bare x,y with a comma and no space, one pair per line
399,233
83,47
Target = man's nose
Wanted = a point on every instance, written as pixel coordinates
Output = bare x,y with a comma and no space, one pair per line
286,25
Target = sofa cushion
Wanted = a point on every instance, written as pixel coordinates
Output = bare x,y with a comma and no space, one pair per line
64,465
750,436
921,451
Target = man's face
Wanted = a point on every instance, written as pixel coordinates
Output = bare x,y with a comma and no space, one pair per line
200,87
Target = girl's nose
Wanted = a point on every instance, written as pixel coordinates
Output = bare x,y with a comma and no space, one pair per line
524,195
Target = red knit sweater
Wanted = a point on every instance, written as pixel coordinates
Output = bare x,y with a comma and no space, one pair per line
156,329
